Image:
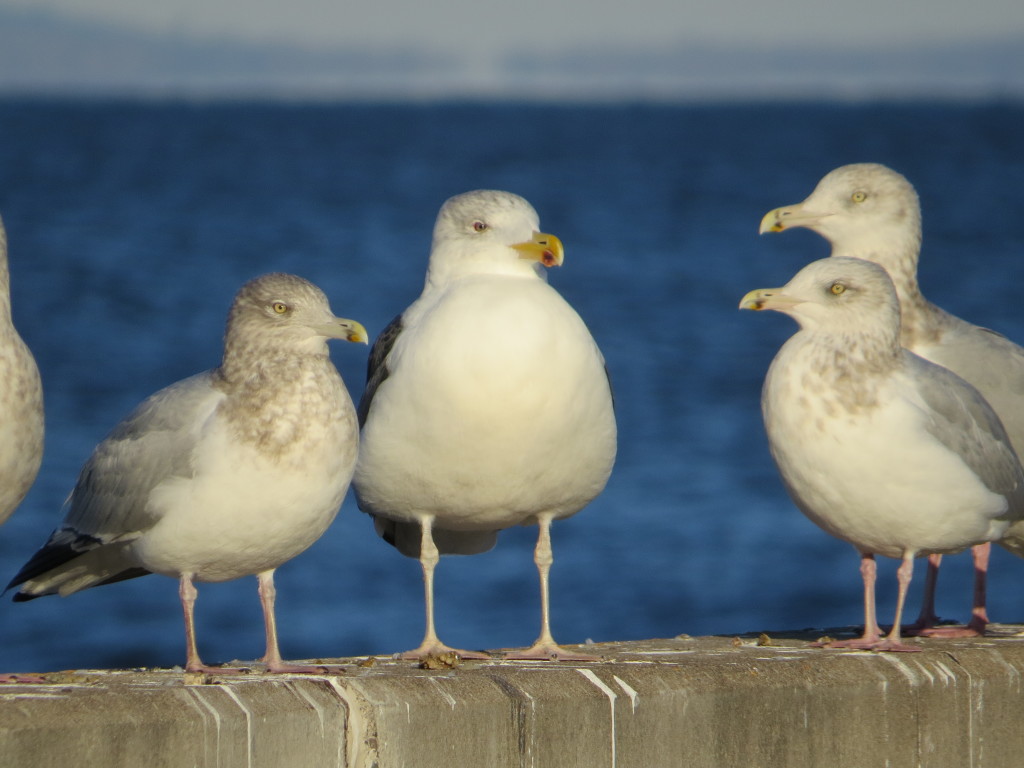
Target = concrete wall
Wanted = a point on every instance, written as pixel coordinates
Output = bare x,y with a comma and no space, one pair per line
715,701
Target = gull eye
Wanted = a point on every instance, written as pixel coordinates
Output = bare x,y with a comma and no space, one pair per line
837,288
479,226
279,307
859,196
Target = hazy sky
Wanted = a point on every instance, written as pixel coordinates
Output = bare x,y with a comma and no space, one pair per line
549,25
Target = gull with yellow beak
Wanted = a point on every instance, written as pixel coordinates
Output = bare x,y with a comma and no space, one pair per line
879,447
870,211
228,473
487,403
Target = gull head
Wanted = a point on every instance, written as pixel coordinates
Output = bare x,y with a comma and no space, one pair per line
286,311
838,296
862,210
490,232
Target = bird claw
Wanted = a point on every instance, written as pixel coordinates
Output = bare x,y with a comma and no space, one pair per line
548,652
429,649
30,678
952,632
870,644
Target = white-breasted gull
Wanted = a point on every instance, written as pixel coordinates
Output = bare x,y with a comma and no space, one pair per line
487,403
228,473
21,411
21,403
870,211
896,455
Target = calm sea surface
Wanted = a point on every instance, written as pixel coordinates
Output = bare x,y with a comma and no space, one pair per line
131,226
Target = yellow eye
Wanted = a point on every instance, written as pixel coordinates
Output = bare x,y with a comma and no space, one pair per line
859,196
280,307
837,288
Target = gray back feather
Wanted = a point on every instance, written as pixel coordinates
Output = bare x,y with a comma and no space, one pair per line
962,420
148,447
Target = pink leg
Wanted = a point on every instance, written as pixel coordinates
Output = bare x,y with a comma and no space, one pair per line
872,633
431,645
979,614
272,657
928,618
545,646
893,641
28,678
187,592
871,639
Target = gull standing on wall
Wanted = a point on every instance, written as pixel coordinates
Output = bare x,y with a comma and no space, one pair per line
896,455
21,408
870,211
487,403
229,473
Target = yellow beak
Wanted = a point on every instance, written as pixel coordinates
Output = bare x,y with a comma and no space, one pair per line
772,222
790,216
343,328
357,333
767,298
547,249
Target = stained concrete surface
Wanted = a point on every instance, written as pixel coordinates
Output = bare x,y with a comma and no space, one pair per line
711,701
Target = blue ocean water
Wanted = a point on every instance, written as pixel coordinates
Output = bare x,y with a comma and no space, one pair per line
132,224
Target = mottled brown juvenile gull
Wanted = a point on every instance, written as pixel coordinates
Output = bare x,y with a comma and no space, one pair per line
229,473
487,403
21,409
881,448
872,212
21,403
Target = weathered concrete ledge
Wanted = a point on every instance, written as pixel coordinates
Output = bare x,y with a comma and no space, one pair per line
714,701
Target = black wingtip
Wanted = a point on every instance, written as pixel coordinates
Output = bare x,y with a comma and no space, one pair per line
64,545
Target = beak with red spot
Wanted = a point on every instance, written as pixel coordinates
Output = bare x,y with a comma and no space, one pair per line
790,216
769,298
544,248
344,328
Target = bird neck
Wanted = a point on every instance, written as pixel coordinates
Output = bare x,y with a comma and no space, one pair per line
897,252
446,268
849,364
246,362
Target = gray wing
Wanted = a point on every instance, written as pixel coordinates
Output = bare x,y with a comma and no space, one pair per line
153,443
962,420
109,505
995,365
990,362
377,366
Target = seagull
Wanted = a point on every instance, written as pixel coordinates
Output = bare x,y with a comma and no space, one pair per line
881,448
21,403
228,473
870,211
21,412
487,403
